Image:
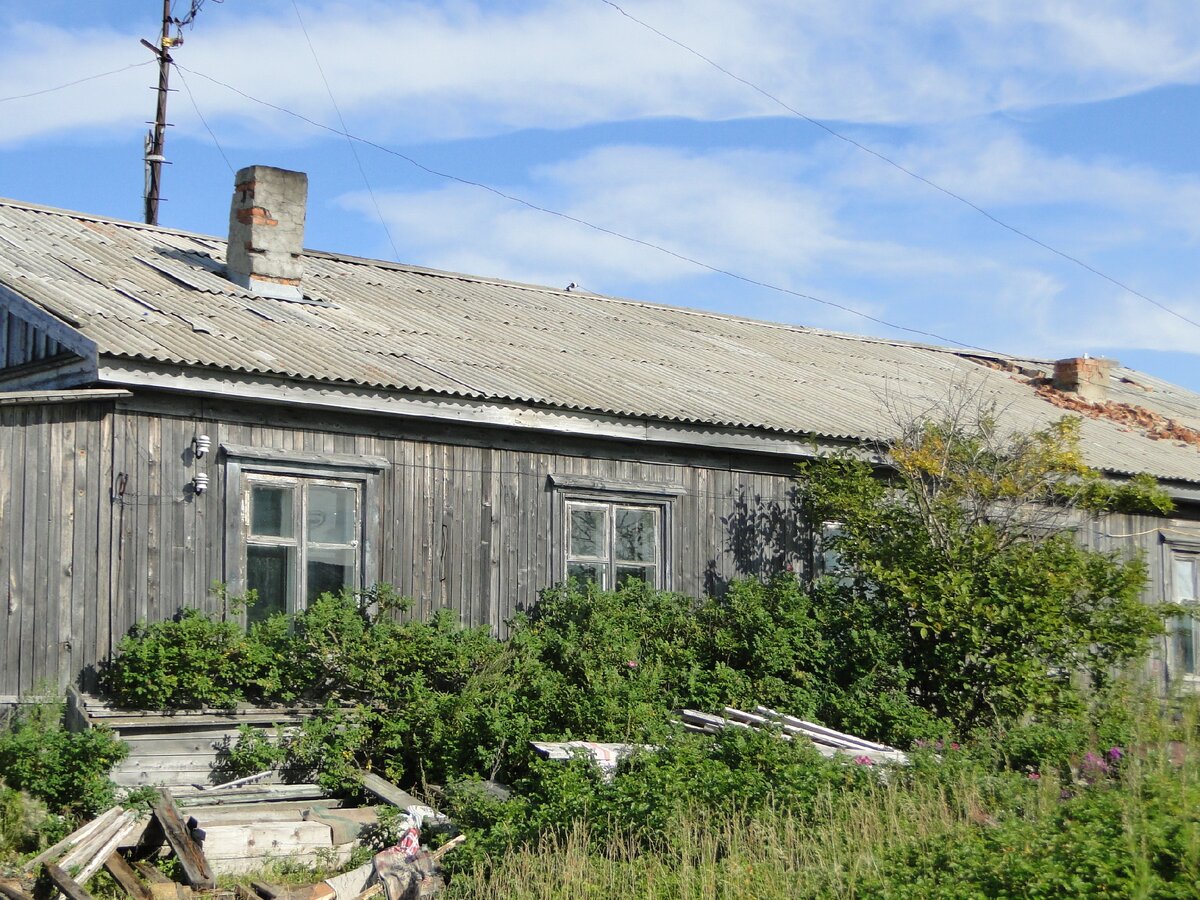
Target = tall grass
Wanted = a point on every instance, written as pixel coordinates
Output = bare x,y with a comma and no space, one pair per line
961,827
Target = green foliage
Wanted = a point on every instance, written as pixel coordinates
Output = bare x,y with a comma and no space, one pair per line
23,820
189,661
67,770
959,588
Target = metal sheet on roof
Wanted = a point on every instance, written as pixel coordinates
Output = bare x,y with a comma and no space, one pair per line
155,294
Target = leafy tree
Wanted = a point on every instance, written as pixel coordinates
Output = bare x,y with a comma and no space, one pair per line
959,585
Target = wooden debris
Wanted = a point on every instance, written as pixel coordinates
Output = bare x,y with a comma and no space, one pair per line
190,854
237,782
606,756
376,888
448,846
128,822
170,891
123,874
351,884
65,883
385,790
73,839
151,872
826,741
12,890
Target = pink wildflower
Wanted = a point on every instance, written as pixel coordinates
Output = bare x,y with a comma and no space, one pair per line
864,760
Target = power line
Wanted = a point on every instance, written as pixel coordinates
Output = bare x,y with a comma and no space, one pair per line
578,221
203,120
353,150
59,87
891,162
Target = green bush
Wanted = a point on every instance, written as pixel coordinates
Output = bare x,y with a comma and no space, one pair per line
67,770
189,661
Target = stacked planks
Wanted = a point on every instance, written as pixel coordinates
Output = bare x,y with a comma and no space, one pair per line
826,741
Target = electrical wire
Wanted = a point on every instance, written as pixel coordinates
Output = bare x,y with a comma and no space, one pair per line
745,279
907,171
349,141
59,87
203,120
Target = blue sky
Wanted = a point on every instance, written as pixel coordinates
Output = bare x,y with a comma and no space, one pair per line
1077,121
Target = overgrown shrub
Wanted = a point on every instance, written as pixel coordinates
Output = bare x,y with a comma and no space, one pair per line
68,770
192,660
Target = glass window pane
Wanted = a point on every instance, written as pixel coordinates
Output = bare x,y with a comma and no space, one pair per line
1183,578
625,574
271,510
271,571
637,534
1183,645
329,571
586,573
588,532
331,514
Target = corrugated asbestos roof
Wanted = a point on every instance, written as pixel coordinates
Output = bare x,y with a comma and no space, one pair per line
154,294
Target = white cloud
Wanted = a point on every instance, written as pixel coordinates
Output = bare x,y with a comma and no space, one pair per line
794,220
428,71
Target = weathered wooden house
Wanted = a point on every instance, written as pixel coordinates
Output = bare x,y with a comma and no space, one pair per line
176,410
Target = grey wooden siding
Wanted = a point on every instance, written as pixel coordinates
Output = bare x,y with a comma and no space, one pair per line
54,531
22,344
99,526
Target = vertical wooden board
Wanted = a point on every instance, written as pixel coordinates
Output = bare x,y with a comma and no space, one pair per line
427,523
485,560
10,510
527,525
64,560
159,495
440,520
101,474
210,516
509,538
32,591
89,500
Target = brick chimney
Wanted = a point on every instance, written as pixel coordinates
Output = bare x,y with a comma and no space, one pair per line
1084,376
266,231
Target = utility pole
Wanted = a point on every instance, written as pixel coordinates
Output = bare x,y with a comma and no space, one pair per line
157,136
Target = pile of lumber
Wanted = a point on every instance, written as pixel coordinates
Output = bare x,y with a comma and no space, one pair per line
178,748
234,829
826,741
120,841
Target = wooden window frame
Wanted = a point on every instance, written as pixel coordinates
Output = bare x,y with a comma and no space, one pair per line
588,490
245,465
1174,549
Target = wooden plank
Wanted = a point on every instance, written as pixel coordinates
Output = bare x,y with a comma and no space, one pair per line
190,854
12,890
74,839
66,883
387,791
276,839
83,852
92,866
151,873
117,866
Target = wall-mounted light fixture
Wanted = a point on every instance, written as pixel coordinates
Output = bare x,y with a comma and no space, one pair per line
200,482
200,445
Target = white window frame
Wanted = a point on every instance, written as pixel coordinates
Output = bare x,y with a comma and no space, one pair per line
573,491
246,466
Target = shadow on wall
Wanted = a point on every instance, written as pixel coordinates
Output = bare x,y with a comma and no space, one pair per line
763,537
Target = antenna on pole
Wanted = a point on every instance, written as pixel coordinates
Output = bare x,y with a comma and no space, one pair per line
157,136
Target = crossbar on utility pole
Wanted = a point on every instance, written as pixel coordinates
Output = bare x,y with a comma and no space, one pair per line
157,136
